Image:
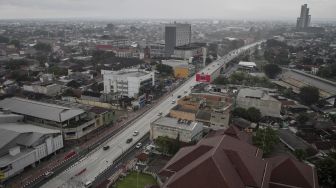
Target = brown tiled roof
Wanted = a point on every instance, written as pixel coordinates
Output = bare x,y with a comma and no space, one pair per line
222,160
226,162
233,131
287,171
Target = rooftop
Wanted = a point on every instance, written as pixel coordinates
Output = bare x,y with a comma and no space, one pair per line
254,93
225,161
176,123
247,64
41,110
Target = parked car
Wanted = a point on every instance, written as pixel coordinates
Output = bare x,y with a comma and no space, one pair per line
106,147
88,184
173,102
160,114
48,173
129,140
179,96
138,145
136,133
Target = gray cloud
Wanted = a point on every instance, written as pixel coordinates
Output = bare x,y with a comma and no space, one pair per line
236,9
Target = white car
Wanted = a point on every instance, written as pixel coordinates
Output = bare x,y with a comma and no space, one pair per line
136,133
138,145
88,184
173,102
49,173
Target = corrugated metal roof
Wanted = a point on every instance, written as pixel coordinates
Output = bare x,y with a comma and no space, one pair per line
39,109
23,134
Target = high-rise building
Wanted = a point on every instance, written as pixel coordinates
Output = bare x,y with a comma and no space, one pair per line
176,34
304,20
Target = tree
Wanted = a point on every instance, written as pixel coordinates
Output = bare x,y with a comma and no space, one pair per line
4,39
265,139
167,145
309,95
165,69
221,81
44,47
300,154
302,118
272,70
15,42
326,170
240,112
254,114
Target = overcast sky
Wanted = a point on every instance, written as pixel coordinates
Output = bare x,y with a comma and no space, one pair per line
184,9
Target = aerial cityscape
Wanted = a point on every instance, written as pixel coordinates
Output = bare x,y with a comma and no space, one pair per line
168,94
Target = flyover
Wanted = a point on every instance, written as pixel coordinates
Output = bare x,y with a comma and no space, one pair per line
89,167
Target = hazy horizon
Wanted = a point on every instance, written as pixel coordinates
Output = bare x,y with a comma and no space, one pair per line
164,9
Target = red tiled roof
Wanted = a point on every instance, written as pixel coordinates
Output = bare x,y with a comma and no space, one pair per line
222,160
233,131
104,47
287,171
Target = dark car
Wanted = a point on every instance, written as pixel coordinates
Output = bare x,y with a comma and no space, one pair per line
179,96
129,140
106,147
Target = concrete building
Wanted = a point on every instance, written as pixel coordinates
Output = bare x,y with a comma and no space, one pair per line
188,51
73,122
157,50
247,66
304,20
22,145
213,110
127,82
176,34
49,89
188,131
182,69
259,99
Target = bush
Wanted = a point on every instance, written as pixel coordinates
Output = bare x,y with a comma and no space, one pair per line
309,95
272,70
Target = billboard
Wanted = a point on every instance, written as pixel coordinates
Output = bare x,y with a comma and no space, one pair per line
203,78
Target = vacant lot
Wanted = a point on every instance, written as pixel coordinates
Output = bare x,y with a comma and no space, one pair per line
136,180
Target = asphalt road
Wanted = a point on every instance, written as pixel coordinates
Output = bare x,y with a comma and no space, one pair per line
88,168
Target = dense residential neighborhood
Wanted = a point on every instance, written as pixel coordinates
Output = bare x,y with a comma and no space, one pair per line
198,103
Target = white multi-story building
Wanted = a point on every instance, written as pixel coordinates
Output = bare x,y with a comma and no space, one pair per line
127,82
187,131
24,144
259,99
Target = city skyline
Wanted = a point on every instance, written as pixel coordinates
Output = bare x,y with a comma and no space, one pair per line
186,9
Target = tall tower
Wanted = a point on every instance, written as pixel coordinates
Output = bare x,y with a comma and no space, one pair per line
176,35
304,20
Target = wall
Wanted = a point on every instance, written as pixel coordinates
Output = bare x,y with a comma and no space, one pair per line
182,115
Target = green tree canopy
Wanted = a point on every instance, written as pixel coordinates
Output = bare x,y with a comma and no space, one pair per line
4,39
266,139
326,170
44,47
164,69
254,114
309,95
272,70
